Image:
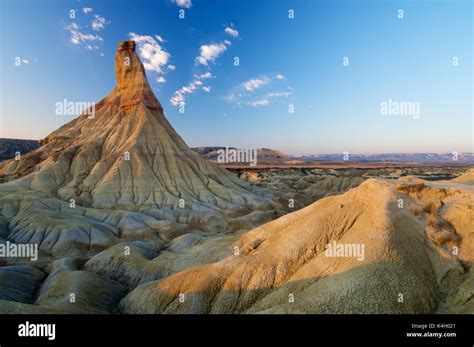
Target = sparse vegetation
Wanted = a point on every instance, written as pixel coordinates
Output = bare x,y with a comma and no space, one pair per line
415,210
411,188
430,209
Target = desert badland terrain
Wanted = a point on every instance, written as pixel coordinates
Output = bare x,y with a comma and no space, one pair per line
128,219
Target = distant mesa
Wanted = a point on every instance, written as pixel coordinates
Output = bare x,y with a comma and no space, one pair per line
264,155
9,148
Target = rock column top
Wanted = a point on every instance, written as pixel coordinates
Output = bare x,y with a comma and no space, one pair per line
126,46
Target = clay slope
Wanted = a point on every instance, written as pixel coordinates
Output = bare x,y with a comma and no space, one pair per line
410,262
466,178
87,159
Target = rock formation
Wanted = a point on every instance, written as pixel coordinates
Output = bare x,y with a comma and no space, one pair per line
119,172
125,153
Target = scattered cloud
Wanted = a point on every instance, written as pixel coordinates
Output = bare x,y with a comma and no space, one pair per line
99,22
256,83
231,98
82,35
171,67
231,31
178,98
153,56
25,61
260,102
78,37
245,93
209,53
72,26
161,79
183,3
205,75
180,95
266,100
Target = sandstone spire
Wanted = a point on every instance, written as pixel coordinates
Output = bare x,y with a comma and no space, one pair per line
127,154
131,79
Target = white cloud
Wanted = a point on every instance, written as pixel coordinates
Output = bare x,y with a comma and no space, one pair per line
183,3
72,26
154,57
232,32
205,75
87,10
99,22
171,67
161,79
179,95
256,83
177,99
78,37
25,61
264,101
209,53
231,98
245,93
89,41
260,102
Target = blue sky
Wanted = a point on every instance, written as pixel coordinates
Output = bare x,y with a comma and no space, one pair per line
282,62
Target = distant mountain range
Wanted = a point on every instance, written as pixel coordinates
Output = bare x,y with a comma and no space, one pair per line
8,148
392,157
